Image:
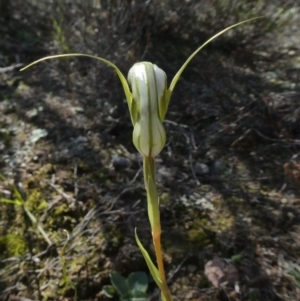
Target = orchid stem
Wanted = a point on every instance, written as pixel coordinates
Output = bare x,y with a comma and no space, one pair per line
154,217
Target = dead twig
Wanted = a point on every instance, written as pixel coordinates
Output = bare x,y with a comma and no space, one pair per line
10,68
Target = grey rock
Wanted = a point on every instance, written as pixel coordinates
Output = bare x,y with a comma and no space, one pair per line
201,169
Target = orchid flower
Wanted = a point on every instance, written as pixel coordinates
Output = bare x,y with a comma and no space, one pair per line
148,98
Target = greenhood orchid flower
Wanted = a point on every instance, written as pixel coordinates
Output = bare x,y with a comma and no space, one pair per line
149,85
148,98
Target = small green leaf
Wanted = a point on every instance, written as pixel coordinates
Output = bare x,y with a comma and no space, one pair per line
296,274
109,291
236,258
137,282
139,296
20,200
13,202
120,284
152,268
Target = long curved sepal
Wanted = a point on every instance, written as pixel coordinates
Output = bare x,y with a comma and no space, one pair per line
178,74
120,74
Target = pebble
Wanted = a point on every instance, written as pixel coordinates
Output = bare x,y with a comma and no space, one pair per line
201,169
120,162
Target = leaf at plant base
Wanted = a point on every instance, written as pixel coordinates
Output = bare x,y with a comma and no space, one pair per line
109,291
152,268
142,298
137,282
120,284
139,296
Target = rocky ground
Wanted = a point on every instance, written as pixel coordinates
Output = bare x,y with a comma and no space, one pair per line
228,177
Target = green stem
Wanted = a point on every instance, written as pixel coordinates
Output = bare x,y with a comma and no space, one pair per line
154,217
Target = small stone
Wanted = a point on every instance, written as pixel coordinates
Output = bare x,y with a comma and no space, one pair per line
191,268
201,169
219,166
120,162
221,273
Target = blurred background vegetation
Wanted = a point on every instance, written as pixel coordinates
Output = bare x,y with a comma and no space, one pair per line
228,178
